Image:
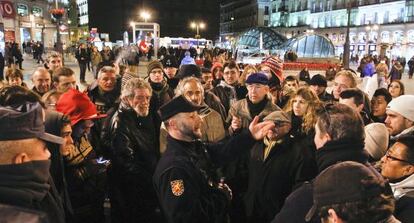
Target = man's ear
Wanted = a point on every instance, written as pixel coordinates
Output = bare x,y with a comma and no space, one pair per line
21,158
333,217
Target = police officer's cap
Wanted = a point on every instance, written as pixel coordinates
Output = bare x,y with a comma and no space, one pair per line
175,106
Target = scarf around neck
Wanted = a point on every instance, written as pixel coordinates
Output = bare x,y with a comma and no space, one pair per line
24,184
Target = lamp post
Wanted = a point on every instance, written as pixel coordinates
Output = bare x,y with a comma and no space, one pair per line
58,14
346,55
369,30
197,26
70,39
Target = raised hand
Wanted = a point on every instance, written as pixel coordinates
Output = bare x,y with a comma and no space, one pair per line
259,130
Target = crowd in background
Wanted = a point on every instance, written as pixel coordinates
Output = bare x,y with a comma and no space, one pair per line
117,160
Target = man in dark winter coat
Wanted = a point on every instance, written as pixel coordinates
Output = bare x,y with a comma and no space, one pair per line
335,142
161,91
276,166
229,90
105,91
134,155
83,58
183,180
24,161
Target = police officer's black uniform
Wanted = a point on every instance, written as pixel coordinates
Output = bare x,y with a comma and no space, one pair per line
183,181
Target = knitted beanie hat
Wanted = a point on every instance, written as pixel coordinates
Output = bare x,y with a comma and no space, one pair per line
403,105
376,140
154,64
275,64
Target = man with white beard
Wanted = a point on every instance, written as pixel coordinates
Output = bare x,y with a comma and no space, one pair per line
134,154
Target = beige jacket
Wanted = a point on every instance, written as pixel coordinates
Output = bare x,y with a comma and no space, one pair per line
240,109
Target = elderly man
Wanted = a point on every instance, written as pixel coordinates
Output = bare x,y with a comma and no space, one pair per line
105,91
397,165
400,116
257,103
335,142
64,79
240,115
24,161
276,166
134,155
183,179
351,192
212,125
41,81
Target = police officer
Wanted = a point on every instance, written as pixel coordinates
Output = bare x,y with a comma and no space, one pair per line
183,178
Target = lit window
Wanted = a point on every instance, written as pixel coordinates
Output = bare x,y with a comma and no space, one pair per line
37,11
22,10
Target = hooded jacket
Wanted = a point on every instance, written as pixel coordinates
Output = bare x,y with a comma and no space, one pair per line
53,125
404,194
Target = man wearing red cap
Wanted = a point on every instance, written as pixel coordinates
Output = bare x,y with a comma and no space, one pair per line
82,168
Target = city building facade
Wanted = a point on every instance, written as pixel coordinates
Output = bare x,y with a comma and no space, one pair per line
383,27
25,20
238,16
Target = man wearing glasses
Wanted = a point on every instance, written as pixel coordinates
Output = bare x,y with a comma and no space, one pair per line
397,165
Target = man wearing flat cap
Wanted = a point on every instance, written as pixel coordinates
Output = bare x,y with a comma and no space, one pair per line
183,179
276,166
241,113
24,161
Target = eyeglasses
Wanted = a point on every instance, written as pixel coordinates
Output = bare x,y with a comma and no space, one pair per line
389,157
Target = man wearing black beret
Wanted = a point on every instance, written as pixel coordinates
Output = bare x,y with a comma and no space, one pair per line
184,178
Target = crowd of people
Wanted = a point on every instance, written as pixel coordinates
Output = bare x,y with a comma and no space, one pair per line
212,142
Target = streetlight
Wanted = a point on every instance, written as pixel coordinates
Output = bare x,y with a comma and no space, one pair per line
197,26
370,28
145,15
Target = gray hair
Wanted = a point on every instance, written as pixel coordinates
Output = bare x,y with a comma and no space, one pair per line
128,90
104,70
41,70
179,90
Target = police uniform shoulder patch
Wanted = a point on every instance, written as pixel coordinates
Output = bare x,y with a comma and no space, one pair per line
177,187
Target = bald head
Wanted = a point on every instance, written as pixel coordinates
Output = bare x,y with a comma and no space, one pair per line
42,80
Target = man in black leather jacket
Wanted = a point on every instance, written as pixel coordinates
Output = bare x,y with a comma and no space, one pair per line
134,154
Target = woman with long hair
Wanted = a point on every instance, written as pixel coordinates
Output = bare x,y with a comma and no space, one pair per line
303,107
396,88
